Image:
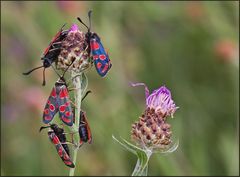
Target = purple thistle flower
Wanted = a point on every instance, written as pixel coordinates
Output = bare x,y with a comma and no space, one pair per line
160,100
151,130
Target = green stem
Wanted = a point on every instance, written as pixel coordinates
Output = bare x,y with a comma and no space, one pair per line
78,96
141,168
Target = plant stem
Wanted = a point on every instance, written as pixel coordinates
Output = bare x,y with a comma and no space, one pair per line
78,96
141,168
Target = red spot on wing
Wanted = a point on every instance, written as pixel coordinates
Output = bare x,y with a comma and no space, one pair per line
63,93
46,111
66,157
105,68
67,104
47,118
102,57
80,142
52,107
68,162
60,151
55,140
53,94
99,65
94,45
65,119
66,92
62,108
68,113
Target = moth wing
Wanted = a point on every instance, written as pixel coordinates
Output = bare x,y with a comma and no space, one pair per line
51,107
84,122
60,150
100,57
65,109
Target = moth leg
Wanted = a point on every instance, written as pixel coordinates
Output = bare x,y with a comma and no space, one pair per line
74,105
56,43
62,125
54,49
71,89
70,133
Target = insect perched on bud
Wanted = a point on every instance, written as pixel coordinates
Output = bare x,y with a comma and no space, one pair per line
51,53
100,57
59,101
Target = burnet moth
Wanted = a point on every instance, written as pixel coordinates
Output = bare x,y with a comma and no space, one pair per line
84,129
59,101
100,57
58,138
51,53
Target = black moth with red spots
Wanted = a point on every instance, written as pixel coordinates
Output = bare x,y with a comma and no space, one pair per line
51,53
58,138
84,129
59,101
100,57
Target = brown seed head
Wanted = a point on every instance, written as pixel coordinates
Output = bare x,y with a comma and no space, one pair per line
74,49
151,131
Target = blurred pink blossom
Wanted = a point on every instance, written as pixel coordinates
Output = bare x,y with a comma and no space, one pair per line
72,8
34,97
194,10
225,49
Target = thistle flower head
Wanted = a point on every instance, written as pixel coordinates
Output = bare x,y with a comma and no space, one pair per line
151,130
160,100
74,49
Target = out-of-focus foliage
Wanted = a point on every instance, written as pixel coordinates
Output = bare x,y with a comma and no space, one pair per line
191,47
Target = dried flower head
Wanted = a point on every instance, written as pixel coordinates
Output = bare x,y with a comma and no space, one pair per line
151,130
74,49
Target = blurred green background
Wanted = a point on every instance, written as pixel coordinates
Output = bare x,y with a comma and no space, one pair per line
190,47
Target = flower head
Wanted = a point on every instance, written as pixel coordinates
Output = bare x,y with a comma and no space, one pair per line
160,100
74,49
151,130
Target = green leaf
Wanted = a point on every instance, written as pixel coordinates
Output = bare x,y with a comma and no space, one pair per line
130,147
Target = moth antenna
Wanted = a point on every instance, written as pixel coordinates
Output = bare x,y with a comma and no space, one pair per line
79,19
63,26
27,73
89,18
43,128
67,68
89,91
44,80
